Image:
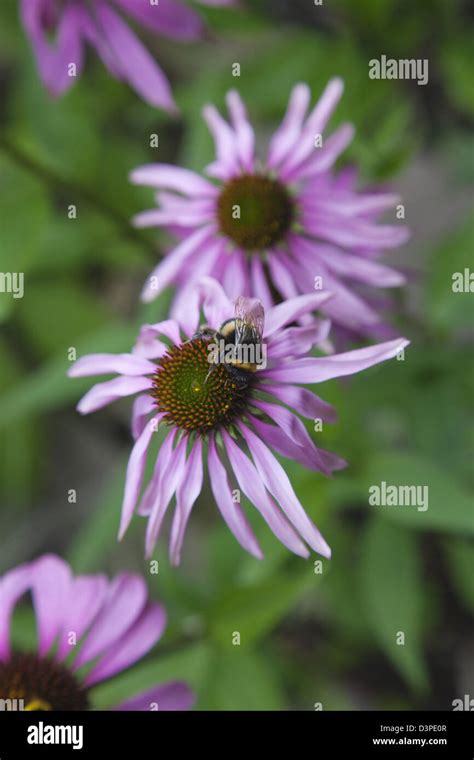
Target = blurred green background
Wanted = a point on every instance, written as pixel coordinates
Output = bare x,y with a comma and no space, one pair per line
307,637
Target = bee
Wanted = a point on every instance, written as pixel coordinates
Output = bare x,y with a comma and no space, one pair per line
238,342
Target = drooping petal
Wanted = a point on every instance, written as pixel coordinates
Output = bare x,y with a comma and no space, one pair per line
230,510
143,406
250,483
277,482
54,59
188,491
259,283
133,60
305,402
309,456
167,488
162,464
134,476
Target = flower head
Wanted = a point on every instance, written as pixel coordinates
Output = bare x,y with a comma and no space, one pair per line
232,411
89,629
73,23
274,230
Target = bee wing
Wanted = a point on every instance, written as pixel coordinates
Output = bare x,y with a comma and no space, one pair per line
249,312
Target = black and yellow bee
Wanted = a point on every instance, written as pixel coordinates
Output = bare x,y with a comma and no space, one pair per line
239,340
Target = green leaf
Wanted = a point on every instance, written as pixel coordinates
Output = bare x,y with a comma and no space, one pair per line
242,680
24,204
449,505
254,610
392,592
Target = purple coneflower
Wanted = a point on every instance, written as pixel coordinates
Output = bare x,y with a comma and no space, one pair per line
73,23
280,228
210,414
89,629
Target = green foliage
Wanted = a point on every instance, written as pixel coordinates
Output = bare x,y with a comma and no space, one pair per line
393,596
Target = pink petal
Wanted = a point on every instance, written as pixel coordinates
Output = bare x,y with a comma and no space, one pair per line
104,393
135,472
243,130
188,491
86,597
287,135
259,284
296,341
126,599
162,464
309,456
54,59
143,406
236,279
305,402
369,272
317,370
250,483
231,511
174,178
103,364
51,587
325,156
277,482
170,267
291,310
136,642
13,585
169,18
225,143
315,124
133,60
166,490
